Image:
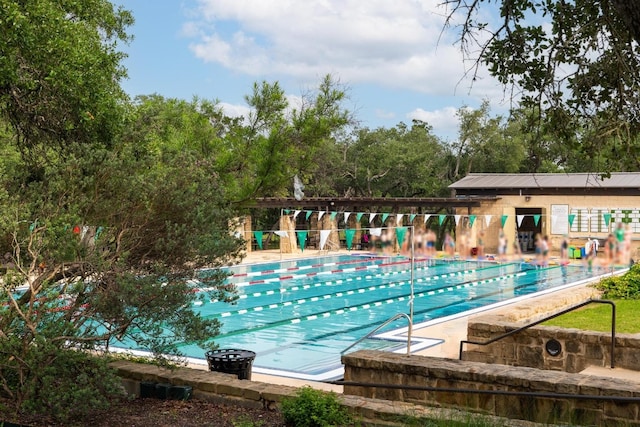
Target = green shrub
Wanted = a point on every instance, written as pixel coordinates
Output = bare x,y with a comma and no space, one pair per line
626,286
314,408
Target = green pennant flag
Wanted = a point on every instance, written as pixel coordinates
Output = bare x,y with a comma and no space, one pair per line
571,218
400,234
536,218
607,218
441,219
504,219
308,215
333,215
472,219
384,217
359,216
302,239
287,211
412,217
349,233
98,232
33,226
258,236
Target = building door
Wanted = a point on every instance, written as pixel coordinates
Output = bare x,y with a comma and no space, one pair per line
528,227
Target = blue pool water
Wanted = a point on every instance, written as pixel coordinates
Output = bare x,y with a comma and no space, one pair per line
298,316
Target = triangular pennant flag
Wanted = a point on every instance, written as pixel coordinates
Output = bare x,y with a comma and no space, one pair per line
536,219
412,217
98,232
258,236
348,234
400,233
607,219
320,215
399,219
287,211
281,233
376,231
333,215
346,216
487,219
308,215
472,219
441,219
359,216
33,226
295,214
324,235
384,217
504,219
302,239
371,216
457,218
571,218
426,218
519,218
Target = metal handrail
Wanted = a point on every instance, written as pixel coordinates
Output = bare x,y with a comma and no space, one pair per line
596,301
392,319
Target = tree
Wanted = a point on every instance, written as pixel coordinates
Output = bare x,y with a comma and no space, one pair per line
102,229
60,72
577,64
487,144
399,162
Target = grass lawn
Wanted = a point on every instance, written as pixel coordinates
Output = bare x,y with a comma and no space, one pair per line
597,317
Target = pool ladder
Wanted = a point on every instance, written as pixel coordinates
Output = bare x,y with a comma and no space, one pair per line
392,319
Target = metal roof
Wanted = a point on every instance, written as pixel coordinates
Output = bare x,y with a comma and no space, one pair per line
548,180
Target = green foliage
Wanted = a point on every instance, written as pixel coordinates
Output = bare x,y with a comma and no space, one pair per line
575,63
63,385
314,408
626,286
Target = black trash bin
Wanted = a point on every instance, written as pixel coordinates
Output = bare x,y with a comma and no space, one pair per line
231,361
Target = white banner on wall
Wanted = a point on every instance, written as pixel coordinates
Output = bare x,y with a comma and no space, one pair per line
560,224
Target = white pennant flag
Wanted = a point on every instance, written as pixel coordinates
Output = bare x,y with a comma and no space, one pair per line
281,233
376,231
324,235
400,218
520,218
346,216
295,214
426,218
320,214
457,218
371,216
487,219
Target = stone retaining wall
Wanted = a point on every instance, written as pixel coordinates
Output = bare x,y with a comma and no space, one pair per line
227,388
579,349
562,402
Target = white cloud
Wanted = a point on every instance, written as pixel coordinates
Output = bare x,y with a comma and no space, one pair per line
397,44
444,121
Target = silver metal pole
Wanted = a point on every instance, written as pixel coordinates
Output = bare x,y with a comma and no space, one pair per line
412,264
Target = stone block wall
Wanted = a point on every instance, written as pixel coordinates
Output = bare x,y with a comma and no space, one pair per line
579,349
506,391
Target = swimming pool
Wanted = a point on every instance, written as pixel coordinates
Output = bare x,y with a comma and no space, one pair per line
299,315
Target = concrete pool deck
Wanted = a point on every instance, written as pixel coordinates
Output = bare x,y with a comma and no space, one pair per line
450,331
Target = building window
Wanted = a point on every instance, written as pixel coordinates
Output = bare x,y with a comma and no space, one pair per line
626,216
580,220
598,221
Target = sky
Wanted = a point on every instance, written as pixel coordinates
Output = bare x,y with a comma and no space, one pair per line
395,59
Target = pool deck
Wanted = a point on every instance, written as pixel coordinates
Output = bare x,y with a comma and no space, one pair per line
450,331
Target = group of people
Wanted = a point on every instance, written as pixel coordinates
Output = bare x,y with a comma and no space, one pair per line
617,246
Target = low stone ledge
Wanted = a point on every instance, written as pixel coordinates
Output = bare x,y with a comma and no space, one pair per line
542,404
